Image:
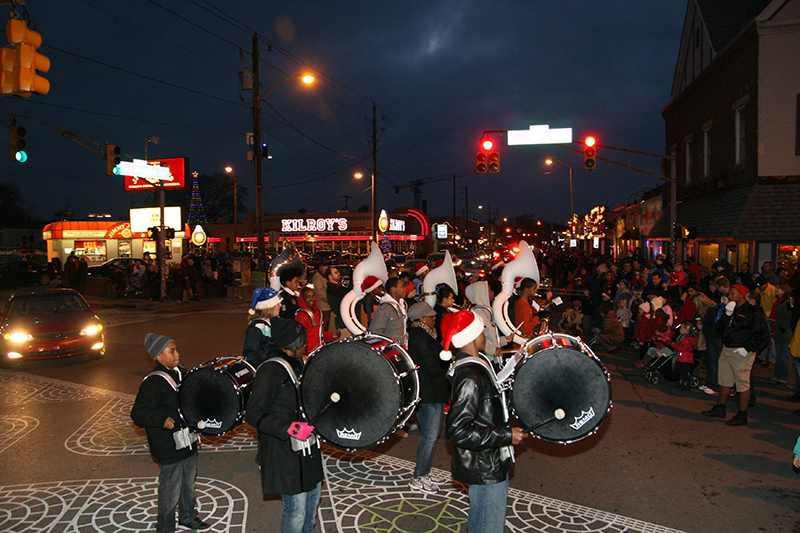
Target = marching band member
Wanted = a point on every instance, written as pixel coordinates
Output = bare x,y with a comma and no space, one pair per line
290,292
266,304
481,295
311,317
389,319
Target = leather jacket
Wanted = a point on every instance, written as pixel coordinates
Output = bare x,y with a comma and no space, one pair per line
477,426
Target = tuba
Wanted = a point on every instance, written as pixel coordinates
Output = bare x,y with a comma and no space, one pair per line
441,274
373,265
524,266
288,259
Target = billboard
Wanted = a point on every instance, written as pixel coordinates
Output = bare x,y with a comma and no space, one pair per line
147,217
177,169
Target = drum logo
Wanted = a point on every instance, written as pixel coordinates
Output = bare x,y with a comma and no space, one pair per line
213,424
349,434
581,421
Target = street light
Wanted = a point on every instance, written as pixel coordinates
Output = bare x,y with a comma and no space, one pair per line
571,202
235,204
257,96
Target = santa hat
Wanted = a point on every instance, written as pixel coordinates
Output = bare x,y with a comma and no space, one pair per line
459,329
420,269
264,298
517,283
496,263
370,283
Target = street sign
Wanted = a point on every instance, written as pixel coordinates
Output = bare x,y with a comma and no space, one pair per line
177,168
138,168
540,135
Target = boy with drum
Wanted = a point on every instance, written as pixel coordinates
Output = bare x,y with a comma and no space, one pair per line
156,410
290,455
477,424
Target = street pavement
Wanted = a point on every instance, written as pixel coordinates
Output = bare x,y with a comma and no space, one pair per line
73,461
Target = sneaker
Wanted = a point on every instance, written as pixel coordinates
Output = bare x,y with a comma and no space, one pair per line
196,524
423,483
413,426
739,419
401,433
718,411
708,390
436,480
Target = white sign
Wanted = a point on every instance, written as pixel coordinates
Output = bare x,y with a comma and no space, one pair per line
313,224
540,135
441,231
147,217
139,168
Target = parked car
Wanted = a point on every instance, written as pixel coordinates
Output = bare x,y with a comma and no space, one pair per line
325,256
22,273
411,264
47,324
105,269
475,269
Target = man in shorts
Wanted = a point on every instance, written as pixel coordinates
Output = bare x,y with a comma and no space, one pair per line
744,333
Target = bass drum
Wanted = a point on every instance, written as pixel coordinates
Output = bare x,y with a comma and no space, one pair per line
378,388
216,392
558,371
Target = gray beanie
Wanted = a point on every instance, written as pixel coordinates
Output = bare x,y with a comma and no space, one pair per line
156,343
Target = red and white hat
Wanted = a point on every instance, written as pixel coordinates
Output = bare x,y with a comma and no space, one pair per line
459,329
370,283
496,263
517,282
420,269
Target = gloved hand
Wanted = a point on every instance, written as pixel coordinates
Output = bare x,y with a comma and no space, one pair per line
300,430
729,307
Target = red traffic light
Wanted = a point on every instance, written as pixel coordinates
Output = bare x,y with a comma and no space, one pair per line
487,144
590,141
589,153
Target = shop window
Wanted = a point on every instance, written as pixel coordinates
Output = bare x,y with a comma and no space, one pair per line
709,254
94,251
788,254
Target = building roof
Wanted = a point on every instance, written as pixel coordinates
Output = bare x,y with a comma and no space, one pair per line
762,212
724,19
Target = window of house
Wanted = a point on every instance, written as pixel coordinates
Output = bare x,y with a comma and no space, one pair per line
706,152
740,135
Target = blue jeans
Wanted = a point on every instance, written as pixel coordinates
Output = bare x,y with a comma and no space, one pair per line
429,416
783,360
300,510
176,487
487,507
713,347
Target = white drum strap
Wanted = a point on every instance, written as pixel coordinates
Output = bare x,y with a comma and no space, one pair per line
166,376
285,365
472,360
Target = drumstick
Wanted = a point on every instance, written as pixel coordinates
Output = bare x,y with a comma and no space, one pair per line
334,399
558,414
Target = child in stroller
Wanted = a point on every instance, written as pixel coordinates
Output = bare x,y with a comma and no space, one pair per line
674,360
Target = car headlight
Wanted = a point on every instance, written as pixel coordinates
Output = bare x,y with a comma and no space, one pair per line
94,329
18,337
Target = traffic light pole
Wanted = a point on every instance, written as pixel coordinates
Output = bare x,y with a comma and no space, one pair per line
162,255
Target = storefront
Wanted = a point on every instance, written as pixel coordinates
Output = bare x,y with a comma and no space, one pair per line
100,241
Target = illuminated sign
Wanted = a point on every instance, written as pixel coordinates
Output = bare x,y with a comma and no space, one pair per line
390,224
147,217
139,168
383,222
176,180
199,236
313,224
540,135
441,231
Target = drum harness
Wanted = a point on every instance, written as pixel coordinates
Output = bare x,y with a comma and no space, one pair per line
506,452
185,436
297,445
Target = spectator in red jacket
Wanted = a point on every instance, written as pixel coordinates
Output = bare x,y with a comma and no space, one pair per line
310,317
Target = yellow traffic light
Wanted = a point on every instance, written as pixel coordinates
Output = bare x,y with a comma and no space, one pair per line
21,61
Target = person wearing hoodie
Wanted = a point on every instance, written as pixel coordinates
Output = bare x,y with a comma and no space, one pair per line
309,315
389,319
481,295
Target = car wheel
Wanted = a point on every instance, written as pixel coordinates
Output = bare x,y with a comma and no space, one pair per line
44,279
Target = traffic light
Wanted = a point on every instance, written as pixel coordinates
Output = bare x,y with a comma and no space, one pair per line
152,233
590,153
688,232
21,61
480,165
17,144
494,162
169,233
112,160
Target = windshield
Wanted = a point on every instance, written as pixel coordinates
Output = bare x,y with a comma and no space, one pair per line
46,304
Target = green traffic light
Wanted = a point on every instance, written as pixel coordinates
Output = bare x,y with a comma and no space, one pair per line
117,171
21,156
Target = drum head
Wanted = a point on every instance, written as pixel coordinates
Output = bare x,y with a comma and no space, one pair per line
370,397
561,378
209,395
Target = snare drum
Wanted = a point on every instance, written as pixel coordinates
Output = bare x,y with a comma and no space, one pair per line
216,392
378,387
558,371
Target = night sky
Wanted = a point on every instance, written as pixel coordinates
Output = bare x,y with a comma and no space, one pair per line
440,73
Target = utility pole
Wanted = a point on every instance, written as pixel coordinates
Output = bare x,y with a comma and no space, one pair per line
455,226
346,198
374,173
262,260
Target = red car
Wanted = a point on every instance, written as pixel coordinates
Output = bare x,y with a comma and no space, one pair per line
48,324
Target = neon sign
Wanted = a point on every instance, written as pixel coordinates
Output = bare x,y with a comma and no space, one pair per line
313,224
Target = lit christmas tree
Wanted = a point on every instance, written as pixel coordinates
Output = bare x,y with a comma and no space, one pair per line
197,214
385,244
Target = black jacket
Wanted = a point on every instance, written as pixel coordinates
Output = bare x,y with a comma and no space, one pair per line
424,350
476,426
256,344
271,408
155,402
289,305
746,328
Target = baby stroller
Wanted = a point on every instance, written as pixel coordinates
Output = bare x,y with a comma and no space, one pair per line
665,362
